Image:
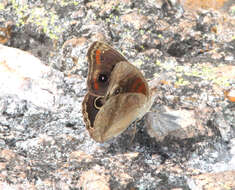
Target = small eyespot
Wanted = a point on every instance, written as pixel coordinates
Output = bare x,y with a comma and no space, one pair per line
102,78
117,91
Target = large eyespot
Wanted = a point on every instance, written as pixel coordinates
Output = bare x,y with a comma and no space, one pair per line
98,103
102,78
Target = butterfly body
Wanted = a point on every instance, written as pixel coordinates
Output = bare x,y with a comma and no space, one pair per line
118,93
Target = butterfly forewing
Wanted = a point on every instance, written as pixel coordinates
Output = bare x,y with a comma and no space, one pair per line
89,110
102,59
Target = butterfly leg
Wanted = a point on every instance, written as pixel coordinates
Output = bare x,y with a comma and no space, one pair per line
133,132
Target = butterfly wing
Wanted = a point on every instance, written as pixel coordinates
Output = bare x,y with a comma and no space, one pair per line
89,110
126,78
101,58
117,114
121,108
122,87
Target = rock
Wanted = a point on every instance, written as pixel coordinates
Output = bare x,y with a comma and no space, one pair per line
215,181
182,124
25,76
185,142
92,180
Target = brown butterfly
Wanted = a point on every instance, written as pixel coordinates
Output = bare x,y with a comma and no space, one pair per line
118,93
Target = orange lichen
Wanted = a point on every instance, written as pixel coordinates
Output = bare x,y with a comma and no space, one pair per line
7,34
230,95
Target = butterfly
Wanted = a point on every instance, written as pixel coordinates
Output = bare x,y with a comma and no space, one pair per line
118,93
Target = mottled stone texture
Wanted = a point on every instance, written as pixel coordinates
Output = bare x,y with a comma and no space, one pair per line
186,142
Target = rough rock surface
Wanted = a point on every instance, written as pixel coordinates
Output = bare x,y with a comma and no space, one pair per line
43,141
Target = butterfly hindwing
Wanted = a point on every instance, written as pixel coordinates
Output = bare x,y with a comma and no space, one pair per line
126,78
117,114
